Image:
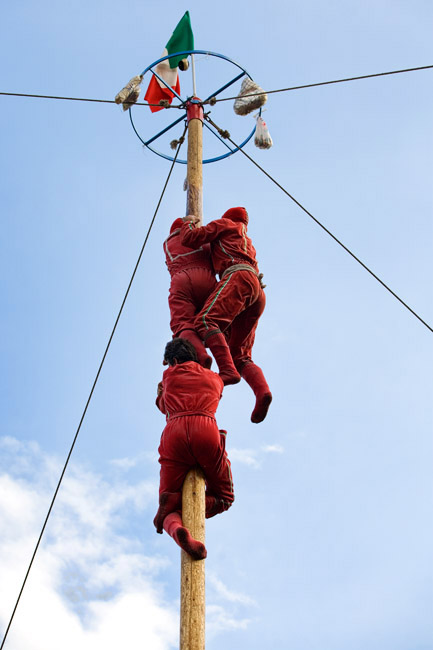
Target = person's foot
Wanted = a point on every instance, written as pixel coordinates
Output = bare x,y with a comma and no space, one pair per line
206,362
168,502
174,527
261,408
230,377
221,352
186,541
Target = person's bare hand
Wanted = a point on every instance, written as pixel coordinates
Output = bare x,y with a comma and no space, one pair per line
191,218
159,389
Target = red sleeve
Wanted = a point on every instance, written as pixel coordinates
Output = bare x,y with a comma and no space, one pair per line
160,401
191,236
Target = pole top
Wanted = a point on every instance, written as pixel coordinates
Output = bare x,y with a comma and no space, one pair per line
194,109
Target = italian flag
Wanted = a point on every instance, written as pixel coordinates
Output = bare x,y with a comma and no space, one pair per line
182,39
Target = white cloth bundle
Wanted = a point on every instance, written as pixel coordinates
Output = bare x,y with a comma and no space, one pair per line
262,138
130,93
244,105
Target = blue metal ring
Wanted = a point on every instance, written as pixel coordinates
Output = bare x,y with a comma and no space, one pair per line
186,53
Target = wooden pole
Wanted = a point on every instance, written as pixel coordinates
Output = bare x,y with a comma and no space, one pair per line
192,579
194,200
192,592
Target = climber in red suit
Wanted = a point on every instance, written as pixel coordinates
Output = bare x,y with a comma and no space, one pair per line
192,280
189,395
237,301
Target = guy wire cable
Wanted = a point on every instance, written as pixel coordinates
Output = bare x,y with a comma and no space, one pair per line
322,83
91,392
323,227
225,99
85,99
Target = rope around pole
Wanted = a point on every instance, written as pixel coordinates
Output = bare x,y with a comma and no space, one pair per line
90,396
214,100
376,277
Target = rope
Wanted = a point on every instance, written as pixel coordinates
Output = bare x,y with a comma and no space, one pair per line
331,235
224,134
176,143
163,103
213,100
90,396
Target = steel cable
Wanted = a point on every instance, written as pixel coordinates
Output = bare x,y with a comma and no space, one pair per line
90,395
321,83
325,229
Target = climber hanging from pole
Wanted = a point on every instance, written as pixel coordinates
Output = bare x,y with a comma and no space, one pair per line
237,301
192,281
189,396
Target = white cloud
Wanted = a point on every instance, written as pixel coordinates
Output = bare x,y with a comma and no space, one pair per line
127,463
218,620
93,583
245,456
124,463
90,585
273,449
224,592
253,457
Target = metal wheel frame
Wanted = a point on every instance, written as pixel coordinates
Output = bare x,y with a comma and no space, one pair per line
183,105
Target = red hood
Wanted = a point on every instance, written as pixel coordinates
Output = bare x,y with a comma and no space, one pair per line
236,214
177,223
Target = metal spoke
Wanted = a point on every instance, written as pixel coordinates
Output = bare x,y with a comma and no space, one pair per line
166,85
230,83
155,137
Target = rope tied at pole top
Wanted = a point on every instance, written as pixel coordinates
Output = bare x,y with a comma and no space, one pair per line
175,143
222,132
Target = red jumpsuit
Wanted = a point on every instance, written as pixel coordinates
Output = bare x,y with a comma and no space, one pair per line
190,397
238,299
192,280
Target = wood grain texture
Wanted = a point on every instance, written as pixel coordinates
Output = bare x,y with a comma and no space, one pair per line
192,581
194,201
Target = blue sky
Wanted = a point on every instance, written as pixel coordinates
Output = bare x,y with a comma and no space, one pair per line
328,544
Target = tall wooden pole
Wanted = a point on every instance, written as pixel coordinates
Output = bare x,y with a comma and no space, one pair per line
192,580
194,199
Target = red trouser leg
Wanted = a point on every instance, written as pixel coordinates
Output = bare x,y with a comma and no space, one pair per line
241,343
189,290
255,378
189,441
172,501
232,296
212,457
243,331
221,351
203,358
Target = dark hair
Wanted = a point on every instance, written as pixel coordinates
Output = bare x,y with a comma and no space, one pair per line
180,350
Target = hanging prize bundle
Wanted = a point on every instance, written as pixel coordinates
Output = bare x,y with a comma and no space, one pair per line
129,94
262,138
247,100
